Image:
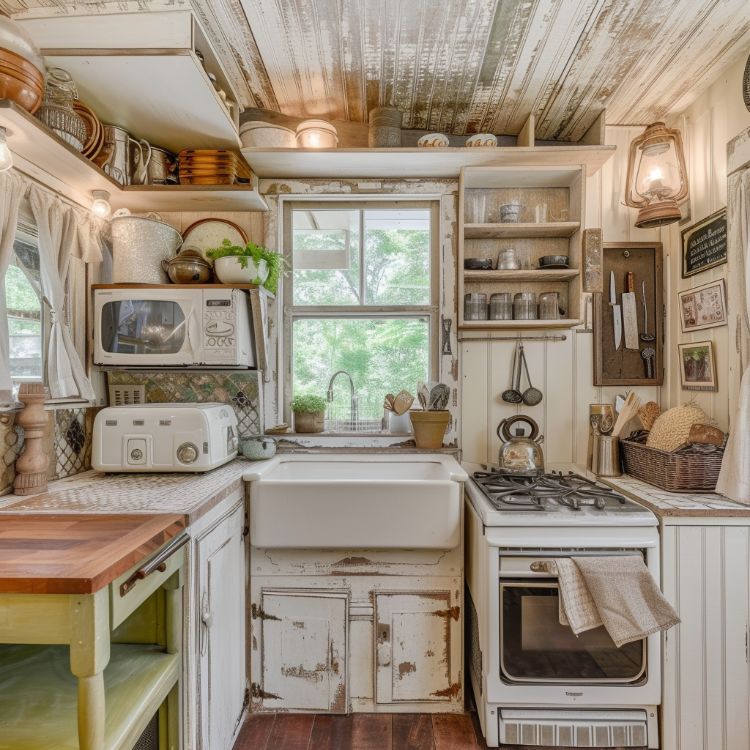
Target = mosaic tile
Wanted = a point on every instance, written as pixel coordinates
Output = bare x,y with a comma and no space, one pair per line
239,389
72,442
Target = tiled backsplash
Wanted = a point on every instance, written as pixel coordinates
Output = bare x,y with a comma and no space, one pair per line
239,388
67,442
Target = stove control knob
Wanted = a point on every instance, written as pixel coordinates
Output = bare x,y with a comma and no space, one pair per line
187,453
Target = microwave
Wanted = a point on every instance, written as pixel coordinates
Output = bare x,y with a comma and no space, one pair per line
142,326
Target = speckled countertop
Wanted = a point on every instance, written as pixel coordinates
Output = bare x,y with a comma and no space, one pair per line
191,495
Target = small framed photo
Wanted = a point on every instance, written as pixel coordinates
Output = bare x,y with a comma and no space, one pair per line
698,366
703,307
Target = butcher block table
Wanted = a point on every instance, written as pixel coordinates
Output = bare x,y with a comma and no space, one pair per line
66,583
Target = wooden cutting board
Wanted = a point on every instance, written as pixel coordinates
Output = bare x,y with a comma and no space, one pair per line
77,554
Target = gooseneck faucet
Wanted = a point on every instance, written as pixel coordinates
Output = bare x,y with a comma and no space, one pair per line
353,408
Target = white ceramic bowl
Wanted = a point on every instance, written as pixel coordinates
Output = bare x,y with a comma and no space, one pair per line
433,140
229,271
265,134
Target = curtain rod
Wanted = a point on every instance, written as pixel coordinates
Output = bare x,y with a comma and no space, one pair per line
550,337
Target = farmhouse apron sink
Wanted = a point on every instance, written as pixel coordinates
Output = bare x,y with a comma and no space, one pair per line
347,501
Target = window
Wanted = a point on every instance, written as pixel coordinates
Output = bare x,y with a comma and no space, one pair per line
24,308
363,299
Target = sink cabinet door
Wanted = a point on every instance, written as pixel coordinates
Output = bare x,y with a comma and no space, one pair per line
414,634
221,623
304,642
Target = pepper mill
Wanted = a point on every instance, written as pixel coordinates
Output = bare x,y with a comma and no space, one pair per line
32,464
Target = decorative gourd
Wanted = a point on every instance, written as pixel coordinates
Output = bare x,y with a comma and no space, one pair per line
671,429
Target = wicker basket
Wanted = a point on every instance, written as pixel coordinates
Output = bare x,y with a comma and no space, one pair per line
681,471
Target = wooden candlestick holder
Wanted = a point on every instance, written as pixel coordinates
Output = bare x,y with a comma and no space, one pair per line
33,463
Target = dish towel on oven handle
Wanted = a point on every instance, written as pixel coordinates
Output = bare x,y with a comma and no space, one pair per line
618,592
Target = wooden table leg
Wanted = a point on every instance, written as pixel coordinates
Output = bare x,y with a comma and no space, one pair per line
89,655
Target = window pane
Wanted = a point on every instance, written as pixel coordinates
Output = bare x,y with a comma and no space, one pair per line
325,256
382,355
24,325
397,257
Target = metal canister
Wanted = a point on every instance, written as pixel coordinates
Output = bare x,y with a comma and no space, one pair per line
501,306
475,306
385,127
606,458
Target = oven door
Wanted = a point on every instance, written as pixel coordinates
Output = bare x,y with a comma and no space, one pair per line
141,327
536,648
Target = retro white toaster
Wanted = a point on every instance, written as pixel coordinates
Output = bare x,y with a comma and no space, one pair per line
164,437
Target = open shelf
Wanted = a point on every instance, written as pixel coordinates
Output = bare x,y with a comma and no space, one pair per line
533,275
517,325
136,681
344,163
55,163
509,230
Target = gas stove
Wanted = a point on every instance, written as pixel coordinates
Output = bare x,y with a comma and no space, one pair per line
555,498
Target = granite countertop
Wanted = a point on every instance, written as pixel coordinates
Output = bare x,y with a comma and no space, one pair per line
189,495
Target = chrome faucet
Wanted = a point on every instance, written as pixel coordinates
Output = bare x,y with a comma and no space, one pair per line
353,406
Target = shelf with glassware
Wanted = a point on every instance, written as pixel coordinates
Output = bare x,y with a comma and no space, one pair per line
520,230
38,152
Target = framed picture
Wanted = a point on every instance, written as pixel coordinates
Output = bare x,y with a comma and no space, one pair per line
704,245
698,366
703,307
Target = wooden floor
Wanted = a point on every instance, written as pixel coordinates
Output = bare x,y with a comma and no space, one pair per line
361,732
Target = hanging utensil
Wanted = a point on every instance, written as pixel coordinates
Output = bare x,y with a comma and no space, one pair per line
531,396
630,312
645,336
616,316
648,355
513,394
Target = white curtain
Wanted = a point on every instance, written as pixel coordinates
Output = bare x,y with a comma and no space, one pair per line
64,232
12,191
734,478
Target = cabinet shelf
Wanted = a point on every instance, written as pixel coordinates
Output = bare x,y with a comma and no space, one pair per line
40,153
553,274
563,229
517,325
136,682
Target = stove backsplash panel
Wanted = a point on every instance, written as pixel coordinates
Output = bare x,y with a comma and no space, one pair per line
240,389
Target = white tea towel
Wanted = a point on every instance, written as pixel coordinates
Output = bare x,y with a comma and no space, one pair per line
626,597
577,609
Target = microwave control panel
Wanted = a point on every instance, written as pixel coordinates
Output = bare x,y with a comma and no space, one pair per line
219,326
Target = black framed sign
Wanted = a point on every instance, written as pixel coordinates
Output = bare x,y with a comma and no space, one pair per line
704,245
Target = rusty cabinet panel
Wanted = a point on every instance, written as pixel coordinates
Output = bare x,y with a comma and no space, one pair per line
304,650
413,646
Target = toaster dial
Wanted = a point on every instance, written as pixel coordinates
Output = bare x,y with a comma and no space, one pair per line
187,453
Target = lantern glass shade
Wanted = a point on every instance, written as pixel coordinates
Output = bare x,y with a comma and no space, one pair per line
657,177
316,134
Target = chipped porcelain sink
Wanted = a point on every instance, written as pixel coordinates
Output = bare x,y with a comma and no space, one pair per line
355,501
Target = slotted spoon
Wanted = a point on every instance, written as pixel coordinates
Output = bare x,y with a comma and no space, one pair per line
513,394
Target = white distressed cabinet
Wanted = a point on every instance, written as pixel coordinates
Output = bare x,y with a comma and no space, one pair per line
216,668
706,672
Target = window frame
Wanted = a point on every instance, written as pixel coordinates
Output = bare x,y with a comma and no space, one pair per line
292,312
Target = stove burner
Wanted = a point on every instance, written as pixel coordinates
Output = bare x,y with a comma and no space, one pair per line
548,492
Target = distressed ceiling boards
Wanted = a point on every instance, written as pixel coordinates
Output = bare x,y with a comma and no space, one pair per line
463,66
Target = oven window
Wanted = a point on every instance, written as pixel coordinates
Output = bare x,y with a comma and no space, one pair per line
143,327
534,647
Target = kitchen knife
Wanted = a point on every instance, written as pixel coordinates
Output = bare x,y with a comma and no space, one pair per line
616,316
630,313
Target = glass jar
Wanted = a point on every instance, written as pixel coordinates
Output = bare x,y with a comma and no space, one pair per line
524,306
549,306
475,306
501,306
507,260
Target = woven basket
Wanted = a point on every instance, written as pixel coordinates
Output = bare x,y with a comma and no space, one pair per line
680,471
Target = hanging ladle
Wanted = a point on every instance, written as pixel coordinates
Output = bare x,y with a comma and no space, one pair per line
513,394
645,336
531,396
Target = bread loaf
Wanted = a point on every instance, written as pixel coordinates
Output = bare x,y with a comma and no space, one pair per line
648,414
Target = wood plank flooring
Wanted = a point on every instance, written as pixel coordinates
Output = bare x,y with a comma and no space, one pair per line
361,732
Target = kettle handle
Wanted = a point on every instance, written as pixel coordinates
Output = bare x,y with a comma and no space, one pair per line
503,429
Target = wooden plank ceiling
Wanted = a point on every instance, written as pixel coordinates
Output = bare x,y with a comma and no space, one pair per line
464,66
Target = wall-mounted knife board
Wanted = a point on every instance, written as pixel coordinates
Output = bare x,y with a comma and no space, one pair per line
625,366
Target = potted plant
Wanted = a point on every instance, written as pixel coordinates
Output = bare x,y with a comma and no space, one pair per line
309,413
248,264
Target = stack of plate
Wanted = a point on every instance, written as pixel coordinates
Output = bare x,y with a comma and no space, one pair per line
212,167
94,130
20,81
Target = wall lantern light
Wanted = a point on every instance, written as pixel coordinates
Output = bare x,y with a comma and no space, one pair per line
100,206
657,180
316,134
6,158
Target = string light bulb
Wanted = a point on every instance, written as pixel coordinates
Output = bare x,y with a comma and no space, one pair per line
100,206
6,158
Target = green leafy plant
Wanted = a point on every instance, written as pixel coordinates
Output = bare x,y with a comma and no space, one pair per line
274,261
306,403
